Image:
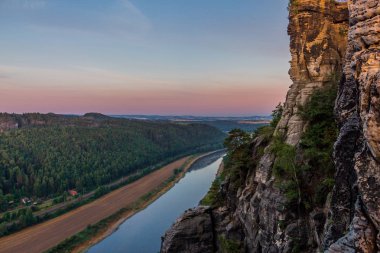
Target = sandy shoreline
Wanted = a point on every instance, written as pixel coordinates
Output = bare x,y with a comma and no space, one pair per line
46,235
113,226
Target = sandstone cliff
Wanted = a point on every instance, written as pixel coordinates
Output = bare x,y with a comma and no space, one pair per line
355,204
255,215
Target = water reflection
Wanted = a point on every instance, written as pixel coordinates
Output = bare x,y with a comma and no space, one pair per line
142,232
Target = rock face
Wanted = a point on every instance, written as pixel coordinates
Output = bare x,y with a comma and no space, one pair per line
318,41
357,150
254,214
8,124
193,232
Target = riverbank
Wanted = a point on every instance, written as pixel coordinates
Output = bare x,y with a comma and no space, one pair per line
43,236
58,209
113,223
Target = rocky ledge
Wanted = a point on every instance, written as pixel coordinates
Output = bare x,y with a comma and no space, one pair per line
192,232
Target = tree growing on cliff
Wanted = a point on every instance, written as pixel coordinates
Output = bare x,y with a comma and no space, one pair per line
276,115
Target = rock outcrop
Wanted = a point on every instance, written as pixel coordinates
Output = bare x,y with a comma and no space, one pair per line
15,121
8,124
328,40
318,42
192,232
356,197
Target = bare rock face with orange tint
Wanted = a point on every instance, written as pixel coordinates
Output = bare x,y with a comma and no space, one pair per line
355,227
327,39
318,39
258,219
7,124
14,121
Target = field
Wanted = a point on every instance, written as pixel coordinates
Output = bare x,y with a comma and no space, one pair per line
46,235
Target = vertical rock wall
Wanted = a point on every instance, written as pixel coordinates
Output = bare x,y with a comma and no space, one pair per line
255,211
317,30
318,41
355,211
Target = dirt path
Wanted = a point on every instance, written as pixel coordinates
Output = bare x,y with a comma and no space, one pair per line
43,236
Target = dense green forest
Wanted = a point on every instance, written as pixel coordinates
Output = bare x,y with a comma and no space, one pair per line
47,160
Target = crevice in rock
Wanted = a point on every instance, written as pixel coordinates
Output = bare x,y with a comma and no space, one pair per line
214,232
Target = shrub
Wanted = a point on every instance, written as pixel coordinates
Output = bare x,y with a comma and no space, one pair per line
317,143
213,197
229,246
276,115
305,173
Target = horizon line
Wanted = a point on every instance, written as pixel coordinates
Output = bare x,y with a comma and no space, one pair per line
147,114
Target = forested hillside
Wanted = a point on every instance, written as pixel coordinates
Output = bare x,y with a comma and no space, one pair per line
45,155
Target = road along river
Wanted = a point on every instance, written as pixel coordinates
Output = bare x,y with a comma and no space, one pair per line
43,236
142,232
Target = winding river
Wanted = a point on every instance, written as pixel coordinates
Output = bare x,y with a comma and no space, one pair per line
142,232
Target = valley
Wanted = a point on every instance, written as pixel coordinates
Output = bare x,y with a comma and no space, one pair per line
43,236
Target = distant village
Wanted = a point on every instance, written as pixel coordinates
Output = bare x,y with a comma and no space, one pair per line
30,202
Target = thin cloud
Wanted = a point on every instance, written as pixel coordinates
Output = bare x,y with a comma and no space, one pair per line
2,76
79,77
120,18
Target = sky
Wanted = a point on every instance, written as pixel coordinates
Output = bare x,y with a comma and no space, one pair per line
167,57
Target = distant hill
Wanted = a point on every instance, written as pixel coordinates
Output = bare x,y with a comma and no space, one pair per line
95,115
225,124
192,118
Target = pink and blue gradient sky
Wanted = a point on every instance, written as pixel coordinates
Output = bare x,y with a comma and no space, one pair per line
198,57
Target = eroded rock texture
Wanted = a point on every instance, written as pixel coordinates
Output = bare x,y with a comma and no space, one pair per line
357,151
254,215
192,232
15,121
318,41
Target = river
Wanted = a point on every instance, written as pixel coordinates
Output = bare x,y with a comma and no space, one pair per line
142,232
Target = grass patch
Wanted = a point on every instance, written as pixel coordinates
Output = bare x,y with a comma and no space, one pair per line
213,197
286,170
229,246
69,244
